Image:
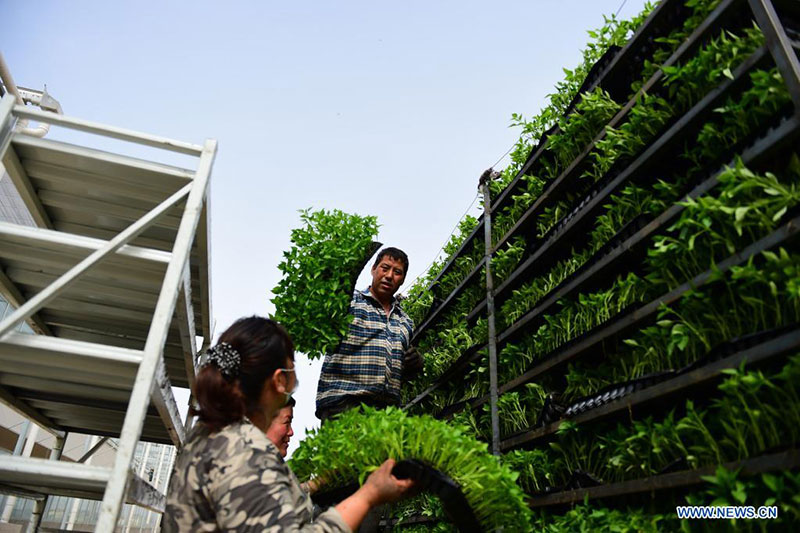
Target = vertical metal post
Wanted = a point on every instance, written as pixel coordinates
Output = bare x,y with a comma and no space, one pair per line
189,422
779,46
40,505
486,177
7,502
7,121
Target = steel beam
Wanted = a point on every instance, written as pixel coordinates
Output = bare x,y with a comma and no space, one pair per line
73,480
48,294
93,450
27,411
184,313
57,240
104,130
492,340
26,191
779,46
90,160
13,296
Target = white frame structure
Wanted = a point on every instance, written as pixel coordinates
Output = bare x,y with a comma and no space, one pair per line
120,356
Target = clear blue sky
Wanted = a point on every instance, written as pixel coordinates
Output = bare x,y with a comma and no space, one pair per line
383,108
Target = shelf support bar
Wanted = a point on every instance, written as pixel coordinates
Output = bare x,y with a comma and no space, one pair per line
35,523
779,46
486,177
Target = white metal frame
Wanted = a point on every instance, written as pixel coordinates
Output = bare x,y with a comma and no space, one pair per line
150,386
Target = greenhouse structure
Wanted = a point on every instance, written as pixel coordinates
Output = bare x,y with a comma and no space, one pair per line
613,345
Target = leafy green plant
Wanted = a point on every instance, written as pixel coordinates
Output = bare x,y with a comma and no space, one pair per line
613,32
592,517
419,296
312,300
742,421
489,486
726,487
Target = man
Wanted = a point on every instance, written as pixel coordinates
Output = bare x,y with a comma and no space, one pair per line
280,430
375,356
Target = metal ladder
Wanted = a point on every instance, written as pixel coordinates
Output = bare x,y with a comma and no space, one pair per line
115,281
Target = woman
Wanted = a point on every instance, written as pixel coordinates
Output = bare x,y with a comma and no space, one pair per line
229,475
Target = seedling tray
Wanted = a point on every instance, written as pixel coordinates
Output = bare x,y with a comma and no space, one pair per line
786,460
455,505
328,497
616,391
564,235
758,348
727,14
614,72
427,478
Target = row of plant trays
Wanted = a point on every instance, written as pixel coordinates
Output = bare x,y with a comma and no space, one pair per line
660,154
782,461
614,72
566,182
634,318
416,520
656,392
609,259
587,487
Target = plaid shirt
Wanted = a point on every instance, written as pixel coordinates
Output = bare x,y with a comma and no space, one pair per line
367,365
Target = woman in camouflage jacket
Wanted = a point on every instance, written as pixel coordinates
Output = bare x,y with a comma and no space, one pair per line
229,475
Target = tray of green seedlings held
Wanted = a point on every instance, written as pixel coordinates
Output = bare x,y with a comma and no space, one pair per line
312,300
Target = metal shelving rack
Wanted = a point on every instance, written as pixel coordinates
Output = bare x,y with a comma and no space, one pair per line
115,281
779,21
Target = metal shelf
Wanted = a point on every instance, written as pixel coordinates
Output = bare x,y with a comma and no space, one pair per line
613,67
759,151
635,318
655,396
81,192
766,463
114,278
74,480
84,387
574,225
566,180
436,313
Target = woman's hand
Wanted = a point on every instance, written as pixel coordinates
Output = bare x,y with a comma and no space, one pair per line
382,487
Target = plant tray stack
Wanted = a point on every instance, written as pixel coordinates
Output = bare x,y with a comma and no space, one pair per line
646,271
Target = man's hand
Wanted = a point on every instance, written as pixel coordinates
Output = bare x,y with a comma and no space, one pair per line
412,363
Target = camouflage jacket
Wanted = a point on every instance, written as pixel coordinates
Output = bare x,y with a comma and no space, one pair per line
236,481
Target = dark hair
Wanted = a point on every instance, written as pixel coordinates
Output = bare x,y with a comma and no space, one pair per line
395,253
264,346
290,403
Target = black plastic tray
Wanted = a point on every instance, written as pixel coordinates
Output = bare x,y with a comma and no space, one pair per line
455,505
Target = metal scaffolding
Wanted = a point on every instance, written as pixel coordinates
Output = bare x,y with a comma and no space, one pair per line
115,280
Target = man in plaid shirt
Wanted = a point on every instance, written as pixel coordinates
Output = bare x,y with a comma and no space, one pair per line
375,356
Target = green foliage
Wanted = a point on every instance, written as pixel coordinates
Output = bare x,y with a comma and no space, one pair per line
587,518
313,297
419,298
727,487
488,485
743,421
715,61
613,32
